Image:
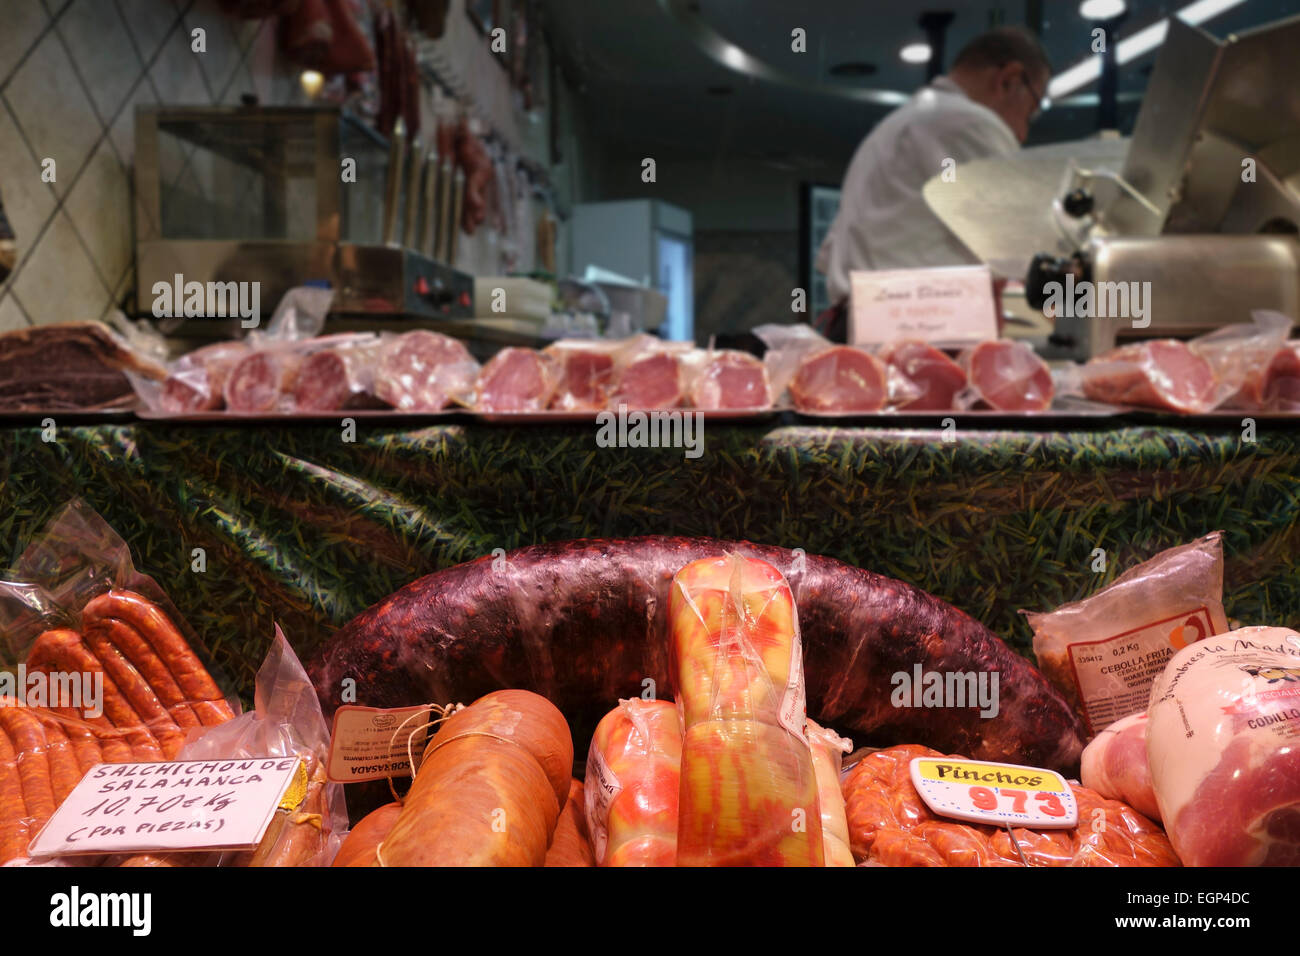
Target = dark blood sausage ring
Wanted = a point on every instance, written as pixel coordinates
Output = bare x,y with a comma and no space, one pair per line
583,623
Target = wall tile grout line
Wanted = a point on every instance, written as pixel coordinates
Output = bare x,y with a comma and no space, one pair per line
58,202
31,48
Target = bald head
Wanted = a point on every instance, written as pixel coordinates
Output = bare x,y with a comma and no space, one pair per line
1006,70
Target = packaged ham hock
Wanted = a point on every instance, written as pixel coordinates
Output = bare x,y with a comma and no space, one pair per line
1223,739
1104,652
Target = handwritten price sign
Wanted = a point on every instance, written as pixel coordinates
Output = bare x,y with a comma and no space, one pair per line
996,793
181,805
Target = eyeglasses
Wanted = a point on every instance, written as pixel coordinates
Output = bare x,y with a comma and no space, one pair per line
1041,100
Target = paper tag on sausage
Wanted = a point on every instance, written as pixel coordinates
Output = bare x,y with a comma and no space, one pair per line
1114,675
598,798
372,743
172,805
998,793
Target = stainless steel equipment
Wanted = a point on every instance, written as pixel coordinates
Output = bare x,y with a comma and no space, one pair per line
281,196
1201,210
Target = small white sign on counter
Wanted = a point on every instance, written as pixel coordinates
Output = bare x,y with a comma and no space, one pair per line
175,805
950,305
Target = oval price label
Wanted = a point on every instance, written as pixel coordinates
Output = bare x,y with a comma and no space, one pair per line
998,793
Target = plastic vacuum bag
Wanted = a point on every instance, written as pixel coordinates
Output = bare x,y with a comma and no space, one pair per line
1104,652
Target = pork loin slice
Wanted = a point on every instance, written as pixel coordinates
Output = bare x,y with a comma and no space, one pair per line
653,381
839,379
1008,376
1160,373
515,380
586,374
731,380
934,374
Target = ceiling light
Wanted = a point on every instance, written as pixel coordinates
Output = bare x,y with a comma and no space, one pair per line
1140,43
915,53
1101,9
311,82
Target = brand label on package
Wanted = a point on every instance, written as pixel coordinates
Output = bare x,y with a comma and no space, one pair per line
1114,675
950,305
172,805
371,743
996,793
599,798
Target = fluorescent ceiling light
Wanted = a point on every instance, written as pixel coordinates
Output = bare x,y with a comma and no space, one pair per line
915,53
1101,9
1132,47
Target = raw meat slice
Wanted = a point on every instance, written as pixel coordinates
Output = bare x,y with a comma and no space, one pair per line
423,371
515,380
1274,384
1008,376
731,380
839,379
260,379
1115,765
196,383
1223,741
938,377
586,375
652,381
1161,373
890,824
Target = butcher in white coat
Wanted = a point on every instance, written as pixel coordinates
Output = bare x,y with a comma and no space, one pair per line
982,107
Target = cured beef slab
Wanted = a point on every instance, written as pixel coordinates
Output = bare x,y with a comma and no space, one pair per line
77,365
652,381
584,623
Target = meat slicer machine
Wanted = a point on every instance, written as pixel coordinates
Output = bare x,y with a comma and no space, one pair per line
1202,203
283,196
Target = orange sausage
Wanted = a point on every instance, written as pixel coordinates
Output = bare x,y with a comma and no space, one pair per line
65,772
13,810
134,687
28,739
174,651
63,650
136,649
358,848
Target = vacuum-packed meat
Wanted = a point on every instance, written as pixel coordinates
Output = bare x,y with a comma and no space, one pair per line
586,374
1115,765
891,825
731,380
840,379
1161,373
1008,377
932,373
515,380
423,371
1223,740
654,380
197,380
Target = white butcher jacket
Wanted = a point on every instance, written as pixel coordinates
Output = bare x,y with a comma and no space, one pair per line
883,220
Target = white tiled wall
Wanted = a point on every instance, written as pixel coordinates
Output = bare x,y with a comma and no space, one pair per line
71,74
